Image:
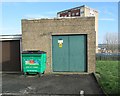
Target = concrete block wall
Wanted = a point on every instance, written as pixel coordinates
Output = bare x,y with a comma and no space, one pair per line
37,35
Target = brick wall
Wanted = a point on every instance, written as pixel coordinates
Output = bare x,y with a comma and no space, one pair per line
37,35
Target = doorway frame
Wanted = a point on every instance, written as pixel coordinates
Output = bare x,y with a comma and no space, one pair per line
68,34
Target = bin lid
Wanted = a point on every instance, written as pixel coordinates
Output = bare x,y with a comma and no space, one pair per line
33,52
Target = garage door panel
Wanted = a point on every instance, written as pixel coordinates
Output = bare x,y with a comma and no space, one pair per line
11,55
77,53
60,54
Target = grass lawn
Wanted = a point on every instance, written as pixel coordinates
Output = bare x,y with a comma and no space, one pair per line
107,74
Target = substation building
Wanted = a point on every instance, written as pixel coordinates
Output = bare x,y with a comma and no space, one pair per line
70,42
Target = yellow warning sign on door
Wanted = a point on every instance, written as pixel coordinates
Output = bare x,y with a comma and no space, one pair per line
60,45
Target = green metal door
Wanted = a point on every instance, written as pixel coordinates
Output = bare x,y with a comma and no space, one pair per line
77,53
69,53
60,53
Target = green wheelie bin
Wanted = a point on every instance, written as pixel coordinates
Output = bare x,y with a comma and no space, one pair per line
33,62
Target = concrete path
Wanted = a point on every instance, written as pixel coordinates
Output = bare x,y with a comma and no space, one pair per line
17,84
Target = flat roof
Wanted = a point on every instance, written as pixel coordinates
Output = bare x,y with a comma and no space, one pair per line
10,37
57,18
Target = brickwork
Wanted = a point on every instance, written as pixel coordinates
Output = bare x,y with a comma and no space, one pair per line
37,35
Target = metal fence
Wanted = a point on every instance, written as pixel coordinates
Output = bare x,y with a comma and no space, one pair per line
107,56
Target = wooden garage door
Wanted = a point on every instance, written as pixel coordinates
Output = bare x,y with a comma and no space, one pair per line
11,55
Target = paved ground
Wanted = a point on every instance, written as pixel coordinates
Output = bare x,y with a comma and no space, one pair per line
17,84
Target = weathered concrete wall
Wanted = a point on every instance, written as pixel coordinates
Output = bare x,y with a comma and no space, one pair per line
37,35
